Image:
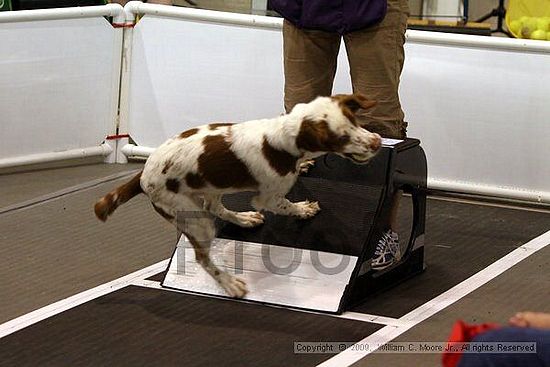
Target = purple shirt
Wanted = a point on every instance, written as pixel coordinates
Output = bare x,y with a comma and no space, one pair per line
341,16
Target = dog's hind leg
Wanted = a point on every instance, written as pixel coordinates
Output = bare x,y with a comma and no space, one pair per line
214,205
198,227
234,286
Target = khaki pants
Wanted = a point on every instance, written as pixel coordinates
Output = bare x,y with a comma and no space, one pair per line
375,57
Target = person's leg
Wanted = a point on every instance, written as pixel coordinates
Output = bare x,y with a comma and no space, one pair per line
309,63
376,56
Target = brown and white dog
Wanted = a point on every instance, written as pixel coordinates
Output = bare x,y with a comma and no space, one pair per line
191,171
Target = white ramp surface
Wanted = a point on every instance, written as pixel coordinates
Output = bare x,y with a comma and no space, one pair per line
278,275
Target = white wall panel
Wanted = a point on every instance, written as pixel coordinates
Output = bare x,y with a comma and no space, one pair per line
58,84
187,73
483,115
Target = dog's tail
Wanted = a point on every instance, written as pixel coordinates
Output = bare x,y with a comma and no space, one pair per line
107,204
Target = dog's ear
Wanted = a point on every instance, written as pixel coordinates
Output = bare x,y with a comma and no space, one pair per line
354,102
316,136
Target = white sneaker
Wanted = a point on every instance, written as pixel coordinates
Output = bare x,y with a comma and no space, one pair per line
387,251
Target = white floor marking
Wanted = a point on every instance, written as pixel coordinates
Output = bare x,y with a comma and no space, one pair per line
375,319
33,317
430,308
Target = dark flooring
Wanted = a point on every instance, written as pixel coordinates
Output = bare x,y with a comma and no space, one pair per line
147,327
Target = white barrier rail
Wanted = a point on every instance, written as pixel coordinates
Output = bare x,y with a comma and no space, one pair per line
110,10
132,150
134,8
478,104
59,83
491,191
488,43
100,151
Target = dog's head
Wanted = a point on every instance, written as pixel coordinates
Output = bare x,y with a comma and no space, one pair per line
329,124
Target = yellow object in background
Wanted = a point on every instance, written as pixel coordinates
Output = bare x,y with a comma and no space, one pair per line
529,19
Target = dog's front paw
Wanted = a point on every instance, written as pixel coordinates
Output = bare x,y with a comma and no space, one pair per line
307,209
234,286
249,219
306,165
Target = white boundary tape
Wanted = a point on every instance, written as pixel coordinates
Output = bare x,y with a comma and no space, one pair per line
430,308
78,299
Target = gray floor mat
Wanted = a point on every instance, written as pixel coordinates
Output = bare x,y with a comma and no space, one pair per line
18,187
147,327
59,248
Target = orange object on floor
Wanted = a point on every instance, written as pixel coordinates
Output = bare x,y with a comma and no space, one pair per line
463,333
